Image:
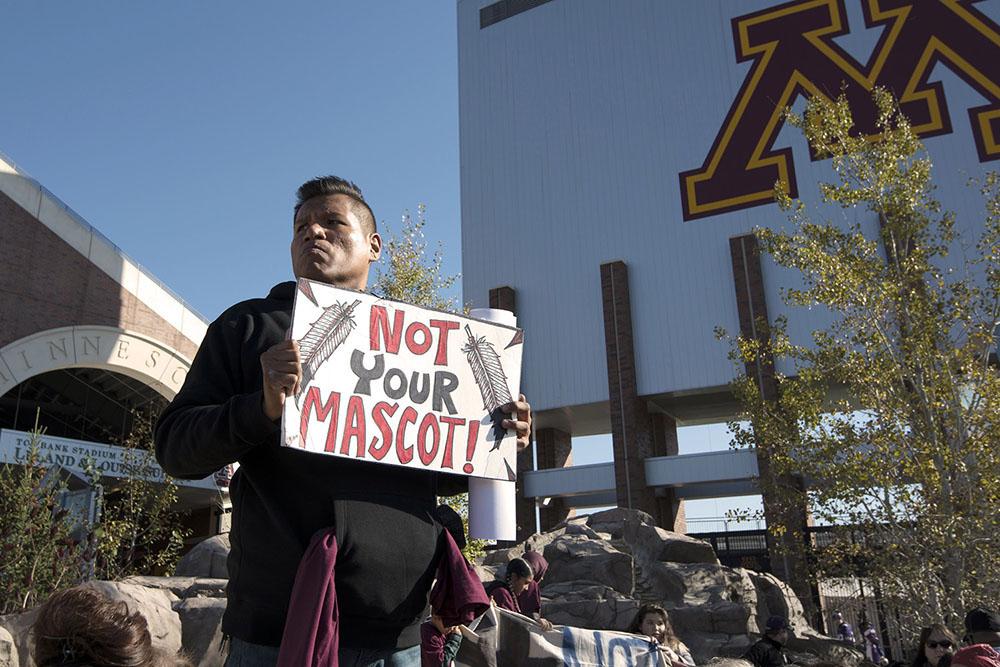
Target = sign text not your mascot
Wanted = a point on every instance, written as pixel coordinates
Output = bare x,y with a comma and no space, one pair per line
392,383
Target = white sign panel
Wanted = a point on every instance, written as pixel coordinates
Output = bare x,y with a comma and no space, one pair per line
108,460
392,383
502,637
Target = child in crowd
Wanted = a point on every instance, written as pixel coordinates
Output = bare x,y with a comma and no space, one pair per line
505,592
652,621
530,600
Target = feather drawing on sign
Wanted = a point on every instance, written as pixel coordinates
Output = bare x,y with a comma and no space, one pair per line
324,336
492,381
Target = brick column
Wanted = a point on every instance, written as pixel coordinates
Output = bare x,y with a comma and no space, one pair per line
504,298
555,450
671,508
631,424
789,553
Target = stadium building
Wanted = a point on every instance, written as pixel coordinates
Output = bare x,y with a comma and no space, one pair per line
615,158
90,341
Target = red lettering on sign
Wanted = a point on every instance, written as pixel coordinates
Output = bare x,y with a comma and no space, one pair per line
312,402
449,438
443,327
411,338
355,427
404,452
470,446
428,454
379,413
379,329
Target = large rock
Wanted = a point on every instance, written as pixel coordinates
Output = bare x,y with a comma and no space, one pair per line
689,583
613,521
722,617
206,559
577,558
206,588
651,543
603,566
8,649
155,606
487,573
176,585
585,605
813,648
537,542
776,598
201,619
19,627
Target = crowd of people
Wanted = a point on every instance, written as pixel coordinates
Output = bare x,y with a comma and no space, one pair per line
937,646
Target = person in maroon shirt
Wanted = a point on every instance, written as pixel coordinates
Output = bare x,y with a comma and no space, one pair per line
530,600
505,592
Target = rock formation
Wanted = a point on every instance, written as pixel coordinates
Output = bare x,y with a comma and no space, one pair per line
602,567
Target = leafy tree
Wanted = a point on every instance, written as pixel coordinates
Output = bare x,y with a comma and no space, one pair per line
893,411
38,554
407,273
43,548
138,532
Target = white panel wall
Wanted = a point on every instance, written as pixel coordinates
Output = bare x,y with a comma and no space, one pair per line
576,119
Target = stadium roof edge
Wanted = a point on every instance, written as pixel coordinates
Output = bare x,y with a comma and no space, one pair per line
86,239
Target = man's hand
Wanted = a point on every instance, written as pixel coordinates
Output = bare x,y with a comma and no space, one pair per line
281,372
520,411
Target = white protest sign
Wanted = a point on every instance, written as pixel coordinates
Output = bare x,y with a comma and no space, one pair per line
391,383
502,637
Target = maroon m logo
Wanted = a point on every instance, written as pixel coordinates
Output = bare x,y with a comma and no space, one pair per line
793,53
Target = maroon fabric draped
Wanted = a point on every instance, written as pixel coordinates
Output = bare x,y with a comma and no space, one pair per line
457,597
312,637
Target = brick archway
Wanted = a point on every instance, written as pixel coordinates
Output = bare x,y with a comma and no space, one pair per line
145,359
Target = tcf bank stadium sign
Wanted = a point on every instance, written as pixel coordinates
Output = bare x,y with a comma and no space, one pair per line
792,51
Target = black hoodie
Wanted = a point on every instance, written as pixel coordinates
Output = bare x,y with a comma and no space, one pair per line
388,541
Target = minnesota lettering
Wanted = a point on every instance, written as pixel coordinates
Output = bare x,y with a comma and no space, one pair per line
792,50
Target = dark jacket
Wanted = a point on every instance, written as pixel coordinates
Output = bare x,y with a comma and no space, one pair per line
382,515
766,653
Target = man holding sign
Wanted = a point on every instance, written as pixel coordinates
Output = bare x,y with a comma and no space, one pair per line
229,410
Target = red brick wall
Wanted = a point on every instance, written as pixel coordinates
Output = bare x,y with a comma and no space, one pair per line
45,283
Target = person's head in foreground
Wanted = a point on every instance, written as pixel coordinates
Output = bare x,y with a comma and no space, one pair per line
334,235
80,627
777,629
519,575
936,642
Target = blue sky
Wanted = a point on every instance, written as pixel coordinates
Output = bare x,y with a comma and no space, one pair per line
181,130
